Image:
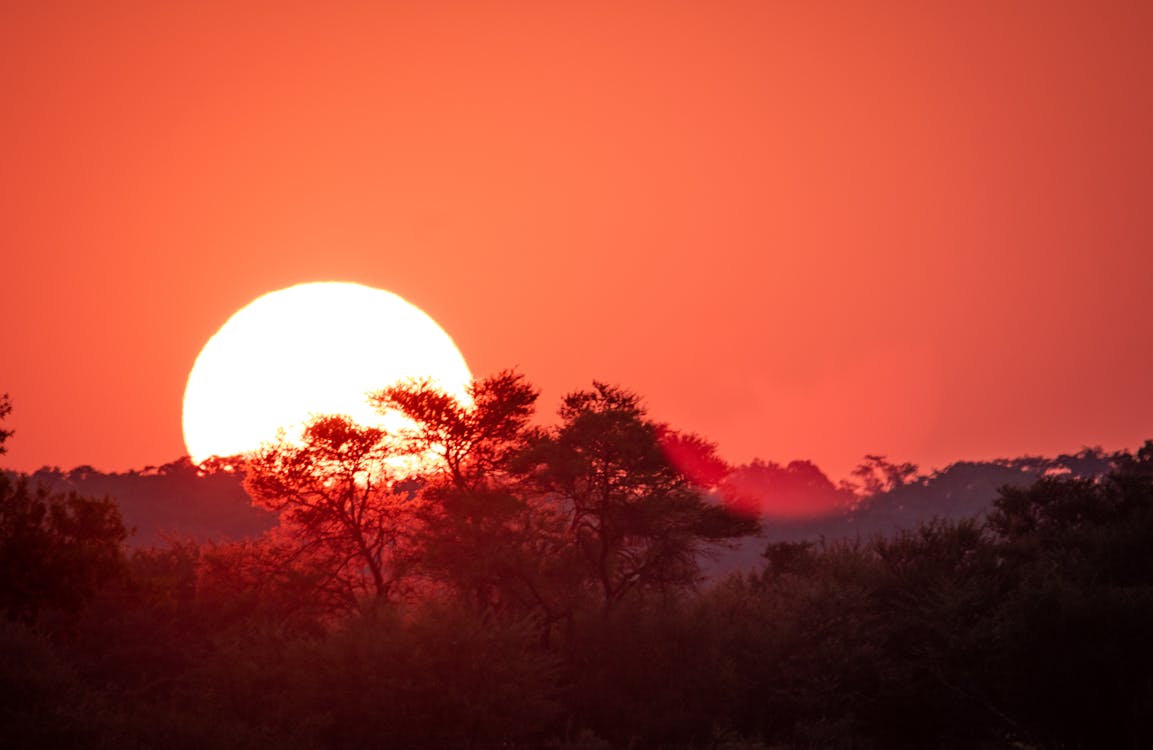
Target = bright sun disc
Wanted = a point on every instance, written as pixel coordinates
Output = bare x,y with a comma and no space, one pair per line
306,350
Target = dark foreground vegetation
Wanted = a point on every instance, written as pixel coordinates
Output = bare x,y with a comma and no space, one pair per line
542,587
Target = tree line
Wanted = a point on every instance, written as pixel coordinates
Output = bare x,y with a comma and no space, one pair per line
474,580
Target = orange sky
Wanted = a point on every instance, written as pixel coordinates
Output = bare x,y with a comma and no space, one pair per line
802,229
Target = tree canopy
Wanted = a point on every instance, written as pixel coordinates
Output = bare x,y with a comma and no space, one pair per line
472,578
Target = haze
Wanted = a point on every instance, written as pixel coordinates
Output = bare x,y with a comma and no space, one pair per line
802,230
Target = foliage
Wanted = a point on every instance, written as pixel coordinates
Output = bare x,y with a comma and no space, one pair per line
55,550
5,410
653,671
340,505
1026,626
635,520
796,491
489,543
475,440
876,474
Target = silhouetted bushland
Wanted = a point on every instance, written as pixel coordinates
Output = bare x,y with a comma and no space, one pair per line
651,671
55,549
1077,663
583,620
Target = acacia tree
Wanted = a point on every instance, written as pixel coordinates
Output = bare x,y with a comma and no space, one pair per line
635,519
341,505
493,544
471,441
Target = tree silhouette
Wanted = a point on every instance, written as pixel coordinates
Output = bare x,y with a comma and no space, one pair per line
556,569
876,474
798,490
495,545
5,410
473,441
340,502
56,549
634,520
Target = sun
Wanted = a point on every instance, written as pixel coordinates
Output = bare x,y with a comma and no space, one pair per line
310,349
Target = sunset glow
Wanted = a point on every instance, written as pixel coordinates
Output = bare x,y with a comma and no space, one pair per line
812,349
808,233
307,350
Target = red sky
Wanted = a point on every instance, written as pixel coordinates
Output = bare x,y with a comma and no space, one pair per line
802,229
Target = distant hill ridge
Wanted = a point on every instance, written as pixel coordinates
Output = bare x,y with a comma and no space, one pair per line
177,500
965,489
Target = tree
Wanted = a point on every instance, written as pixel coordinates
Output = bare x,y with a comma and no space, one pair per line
876,474
472,442
634,520
1074,628
491,543
798,490
55,549
5,410
341,503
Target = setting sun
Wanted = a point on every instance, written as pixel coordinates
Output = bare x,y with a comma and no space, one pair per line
309,349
